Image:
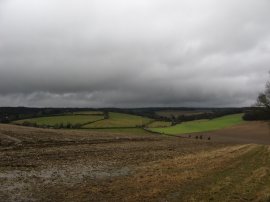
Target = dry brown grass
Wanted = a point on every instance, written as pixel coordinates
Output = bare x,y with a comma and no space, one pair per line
65,165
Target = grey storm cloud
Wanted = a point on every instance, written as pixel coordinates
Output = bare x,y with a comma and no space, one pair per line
120,53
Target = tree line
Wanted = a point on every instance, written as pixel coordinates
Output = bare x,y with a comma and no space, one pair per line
261,109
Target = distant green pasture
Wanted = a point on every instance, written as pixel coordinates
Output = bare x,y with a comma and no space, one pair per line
67,119
157,124
120,120
201,125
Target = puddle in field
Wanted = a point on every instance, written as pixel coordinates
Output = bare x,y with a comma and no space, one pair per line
18,184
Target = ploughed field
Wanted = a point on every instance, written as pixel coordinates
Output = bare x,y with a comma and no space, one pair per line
85,165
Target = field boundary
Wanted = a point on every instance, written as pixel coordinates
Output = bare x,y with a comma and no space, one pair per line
84,124
113,128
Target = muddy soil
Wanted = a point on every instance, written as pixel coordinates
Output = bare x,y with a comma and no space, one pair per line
69,165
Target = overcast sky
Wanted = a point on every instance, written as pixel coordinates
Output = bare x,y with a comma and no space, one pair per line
120,53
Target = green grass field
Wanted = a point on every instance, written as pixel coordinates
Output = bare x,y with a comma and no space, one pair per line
54,120
119,120
201,125
158,124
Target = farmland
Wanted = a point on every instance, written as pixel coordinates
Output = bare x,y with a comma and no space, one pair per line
120,120
95,121
64,119
157,124
201,125
79,165
90,120
114,158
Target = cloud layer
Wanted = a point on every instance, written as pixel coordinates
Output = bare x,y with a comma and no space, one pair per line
102,53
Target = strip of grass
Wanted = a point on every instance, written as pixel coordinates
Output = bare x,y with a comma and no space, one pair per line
201,125
158,124
54,120
119,120
245,179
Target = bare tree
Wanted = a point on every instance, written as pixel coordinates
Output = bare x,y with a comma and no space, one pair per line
263,99
261,109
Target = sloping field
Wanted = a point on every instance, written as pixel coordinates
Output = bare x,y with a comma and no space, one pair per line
201,125
118,120
53,120
158,124
71,165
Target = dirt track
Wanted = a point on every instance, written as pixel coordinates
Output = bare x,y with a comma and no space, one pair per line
62,165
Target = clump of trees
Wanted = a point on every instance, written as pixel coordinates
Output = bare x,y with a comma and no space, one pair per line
106,115
261,110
